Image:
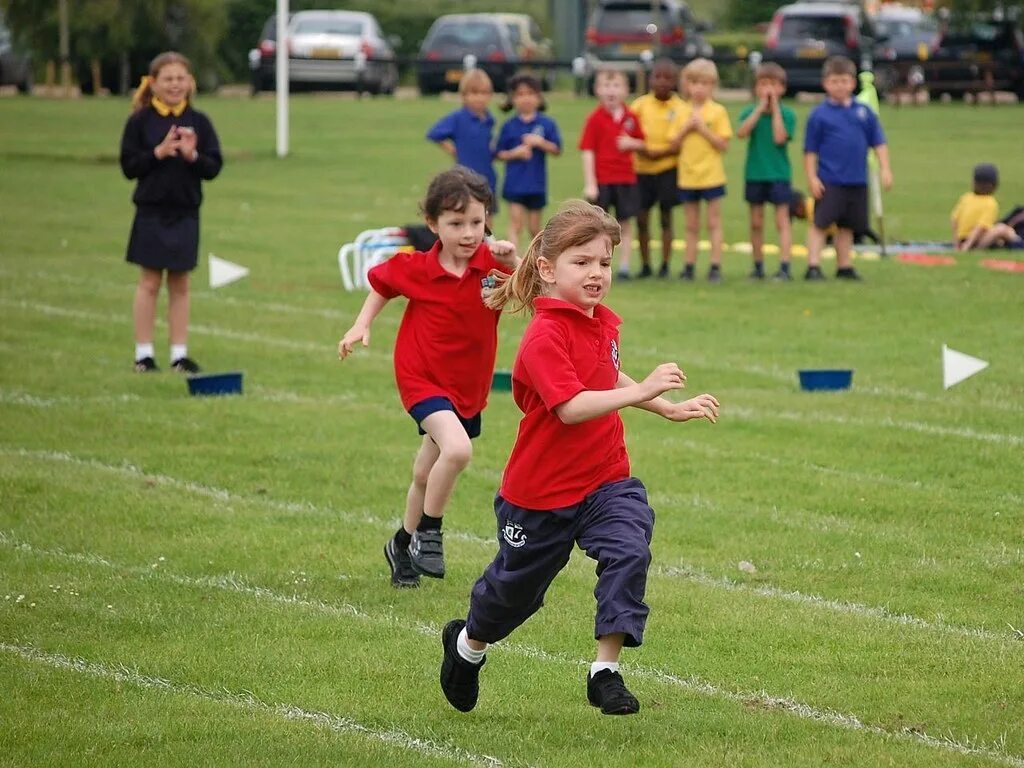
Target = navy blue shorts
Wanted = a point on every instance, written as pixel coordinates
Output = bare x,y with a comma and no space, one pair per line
624,198
424,408
844,206
658,188
529,202
696,195
774,192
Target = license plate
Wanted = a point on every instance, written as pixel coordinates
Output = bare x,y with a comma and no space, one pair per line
811,53
453,76
326,53
634,47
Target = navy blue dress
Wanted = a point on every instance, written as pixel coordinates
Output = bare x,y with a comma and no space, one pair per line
165,231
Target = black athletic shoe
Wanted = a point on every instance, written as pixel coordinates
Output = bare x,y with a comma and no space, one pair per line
663,270
607,691
687,274
757,273
185,365
645,271
460,679
814,273
426,553
782,276
714,275
402,573
146,365
848,273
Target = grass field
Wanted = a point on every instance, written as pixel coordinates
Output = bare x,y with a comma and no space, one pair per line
189,581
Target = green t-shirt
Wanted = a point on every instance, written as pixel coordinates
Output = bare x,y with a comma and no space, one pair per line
766,160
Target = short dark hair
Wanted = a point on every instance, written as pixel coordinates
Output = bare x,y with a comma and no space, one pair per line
453,190
530,81
838,65
770,71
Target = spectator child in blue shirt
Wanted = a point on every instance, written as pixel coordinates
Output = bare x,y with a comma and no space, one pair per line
465,134
838,135
525,141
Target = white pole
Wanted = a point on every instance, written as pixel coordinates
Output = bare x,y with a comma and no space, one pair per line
282,78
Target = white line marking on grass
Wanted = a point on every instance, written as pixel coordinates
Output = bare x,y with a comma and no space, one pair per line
687,573
247,700
693,684
16,397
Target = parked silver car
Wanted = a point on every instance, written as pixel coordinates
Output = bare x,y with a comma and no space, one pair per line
340,48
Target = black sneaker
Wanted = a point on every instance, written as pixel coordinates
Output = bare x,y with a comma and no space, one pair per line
645,271
687,273
757,273
185,365
663,270
607,691
714,275
402,573
146,365
782,276
847,273
426,553
460,679
814,273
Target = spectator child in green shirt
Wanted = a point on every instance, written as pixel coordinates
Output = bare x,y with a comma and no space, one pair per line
770,126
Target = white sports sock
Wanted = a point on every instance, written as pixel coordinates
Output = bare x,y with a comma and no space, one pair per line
462,645
178,351
597,666
143,350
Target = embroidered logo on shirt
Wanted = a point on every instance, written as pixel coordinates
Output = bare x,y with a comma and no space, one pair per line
514,535
615,354
629,124
862,113
538,130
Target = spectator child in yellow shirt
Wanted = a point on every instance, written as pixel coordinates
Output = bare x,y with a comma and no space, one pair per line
974,217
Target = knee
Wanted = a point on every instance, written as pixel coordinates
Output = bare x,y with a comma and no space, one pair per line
458,455
420,473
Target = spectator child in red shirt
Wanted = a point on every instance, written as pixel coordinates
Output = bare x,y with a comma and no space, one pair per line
568,481
444,355
611,135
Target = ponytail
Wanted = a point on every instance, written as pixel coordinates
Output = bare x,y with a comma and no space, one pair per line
143,94
518,291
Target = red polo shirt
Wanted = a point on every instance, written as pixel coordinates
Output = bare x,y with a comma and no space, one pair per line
599,133
448,339
563,353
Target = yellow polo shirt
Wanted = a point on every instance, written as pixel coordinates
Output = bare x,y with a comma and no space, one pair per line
700,164
972,211
657,118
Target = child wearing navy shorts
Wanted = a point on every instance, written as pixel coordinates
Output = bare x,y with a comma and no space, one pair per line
568,479
444,356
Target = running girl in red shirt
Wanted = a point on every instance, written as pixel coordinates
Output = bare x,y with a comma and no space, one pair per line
444,355
567,481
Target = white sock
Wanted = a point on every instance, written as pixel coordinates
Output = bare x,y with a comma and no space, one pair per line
597,666
470,655
178,351
143,350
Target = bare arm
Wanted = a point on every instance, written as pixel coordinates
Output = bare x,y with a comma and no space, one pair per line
885,170
814,185
703,406
779,134
720,143
591,404
747,126
360,330
447,146
589,175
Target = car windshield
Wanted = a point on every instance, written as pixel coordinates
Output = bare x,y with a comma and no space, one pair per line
328,27
470,34
813,27
907,29
629,19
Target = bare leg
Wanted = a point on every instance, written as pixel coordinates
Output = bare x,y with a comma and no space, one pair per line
425,458
667,236
626,246
178,309
454,453
715,230
998,234
844,247
144,307
515,223
533,222
609,647
785,230
757,232
815,242
643,234
692,211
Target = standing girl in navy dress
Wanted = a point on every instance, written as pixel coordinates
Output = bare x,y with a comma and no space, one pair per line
170,148
525,141
568,480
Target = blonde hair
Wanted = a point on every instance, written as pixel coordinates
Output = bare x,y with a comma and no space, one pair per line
610,73
700,69
144,93
475,80
576,223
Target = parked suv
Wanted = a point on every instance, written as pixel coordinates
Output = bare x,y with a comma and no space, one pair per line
801,36
619,32
451,38
978,54
15,65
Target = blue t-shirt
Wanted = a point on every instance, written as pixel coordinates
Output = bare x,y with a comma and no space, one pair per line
527,177
841,136
472,138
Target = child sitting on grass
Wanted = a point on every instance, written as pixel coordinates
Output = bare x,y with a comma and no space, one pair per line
974,217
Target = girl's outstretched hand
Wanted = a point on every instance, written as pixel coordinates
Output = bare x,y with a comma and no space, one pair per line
663,378
700,407
504,252
354,334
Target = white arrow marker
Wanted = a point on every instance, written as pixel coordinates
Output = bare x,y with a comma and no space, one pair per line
956,366
223,272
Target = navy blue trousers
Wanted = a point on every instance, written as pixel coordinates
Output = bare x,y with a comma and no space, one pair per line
613,525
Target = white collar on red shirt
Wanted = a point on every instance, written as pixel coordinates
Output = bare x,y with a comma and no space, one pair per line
601,313
477,261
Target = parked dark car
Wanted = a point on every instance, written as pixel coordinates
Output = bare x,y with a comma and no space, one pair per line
620,32
328,49
484,36
978,55
15,64
801,36
908,38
